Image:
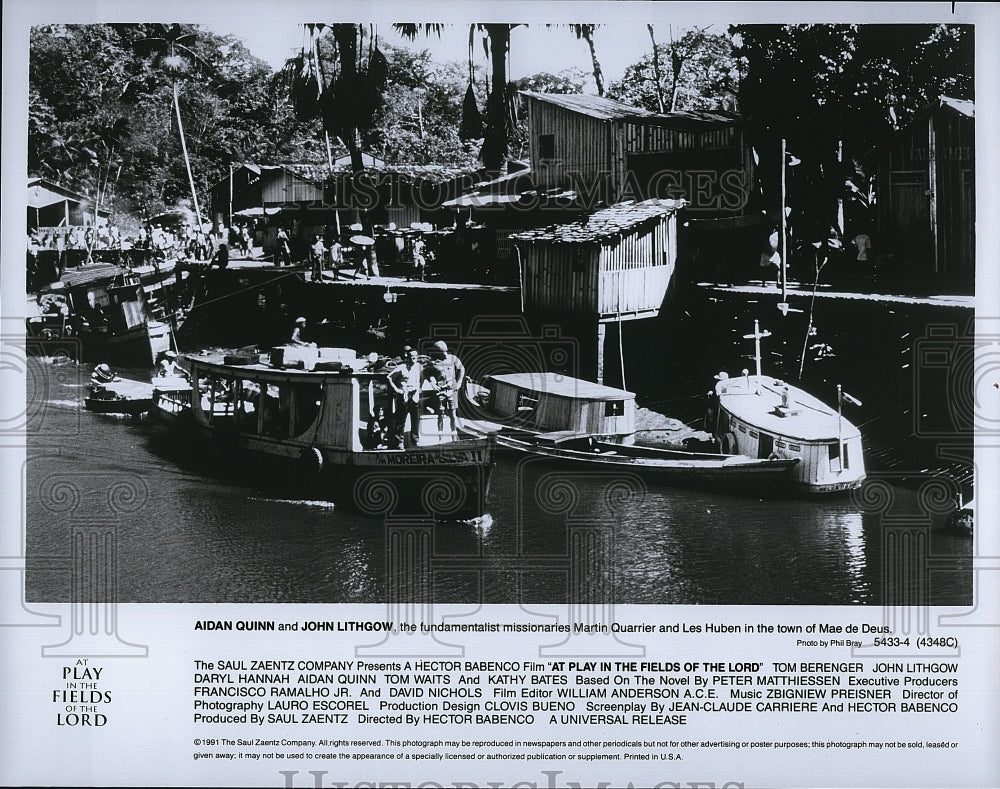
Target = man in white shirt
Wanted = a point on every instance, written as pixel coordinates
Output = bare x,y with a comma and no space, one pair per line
406,381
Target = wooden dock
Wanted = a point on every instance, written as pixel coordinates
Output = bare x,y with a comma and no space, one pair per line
799,294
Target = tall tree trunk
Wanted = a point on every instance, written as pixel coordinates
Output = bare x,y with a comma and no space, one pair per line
346,36
184,148
657,76
495,144
677,65
588,36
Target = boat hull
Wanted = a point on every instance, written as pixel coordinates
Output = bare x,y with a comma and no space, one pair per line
445,481
135,347
118,406
121,396
685,469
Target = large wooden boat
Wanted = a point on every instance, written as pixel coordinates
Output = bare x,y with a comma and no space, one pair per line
313,410
763,417
571,421
103,307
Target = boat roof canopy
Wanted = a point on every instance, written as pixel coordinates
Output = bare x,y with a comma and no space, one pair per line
563,386
755,400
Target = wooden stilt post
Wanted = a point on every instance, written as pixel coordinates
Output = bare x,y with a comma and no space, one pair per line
601,336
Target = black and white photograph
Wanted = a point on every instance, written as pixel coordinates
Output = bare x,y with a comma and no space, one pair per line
542,318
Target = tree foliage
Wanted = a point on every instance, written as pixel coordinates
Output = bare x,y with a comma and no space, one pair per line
835,92
698,71
422,113
88,80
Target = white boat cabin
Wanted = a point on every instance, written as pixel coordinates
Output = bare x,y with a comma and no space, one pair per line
551,403
760,416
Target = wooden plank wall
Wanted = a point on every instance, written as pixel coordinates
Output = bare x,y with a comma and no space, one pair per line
560,277
636,271
582,146
627,274
283,187
931,162
954,164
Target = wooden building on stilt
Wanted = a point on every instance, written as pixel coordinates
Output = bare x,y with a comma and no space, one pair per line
613,266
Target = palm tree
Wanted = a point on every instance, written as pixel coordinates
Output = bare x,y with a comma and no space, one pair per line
171,51
499,116
348,103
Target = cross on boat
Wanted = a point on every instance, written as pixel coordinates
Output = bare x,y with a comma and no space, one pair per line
757,336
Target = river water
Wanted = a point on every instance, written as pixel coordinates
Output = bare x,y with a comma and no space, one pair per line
184,530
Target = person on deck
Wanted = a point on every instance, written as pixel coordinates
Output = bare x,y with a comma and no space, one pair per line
450,376
406,381
419,259
168,367
297,339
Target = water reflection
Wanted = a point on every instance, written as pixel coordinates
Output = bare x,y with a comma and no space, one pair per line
587,540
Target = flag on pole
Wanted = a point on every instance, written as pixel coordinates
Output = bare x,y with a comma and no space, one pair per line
853,400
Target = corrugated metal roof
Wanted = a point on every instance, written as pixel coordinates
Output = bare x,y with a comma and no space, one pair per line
317,173
89,273
42,193
602,224
594,106
961,106
563,386
609,109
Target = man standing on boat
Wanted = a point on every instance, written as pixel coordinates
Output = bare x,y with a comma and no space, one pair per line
406,381
450,376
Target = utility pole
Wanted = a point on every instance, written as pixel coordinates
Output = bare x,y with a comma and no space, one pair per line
784,224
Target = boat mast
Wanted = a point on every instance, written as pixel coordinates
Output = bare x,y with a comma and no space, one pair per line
757,336
840,425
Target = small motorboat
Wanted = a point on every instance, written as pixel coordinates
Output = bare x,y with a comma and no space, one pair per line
119,396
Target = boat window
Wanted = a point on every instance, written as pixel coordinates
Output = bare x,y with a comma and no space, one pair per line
373,396
765,446
834,452
844,458
273,422
306,406
98,297
216,395
614,407
742,429
754,434
795,447
247,405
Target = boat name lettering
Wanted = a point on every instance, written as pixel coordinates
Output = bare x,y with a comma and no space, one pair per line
430,458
